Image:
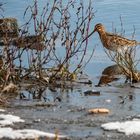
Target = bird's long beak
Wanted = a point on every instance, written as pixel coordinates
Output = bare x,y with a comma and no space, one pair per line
89,35
92,32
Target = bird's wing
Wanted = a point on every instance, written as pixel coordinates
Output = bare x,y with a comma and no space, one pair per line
121,41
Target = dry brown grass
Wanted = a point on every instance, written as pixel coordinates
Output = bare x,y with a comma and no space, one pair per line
127,62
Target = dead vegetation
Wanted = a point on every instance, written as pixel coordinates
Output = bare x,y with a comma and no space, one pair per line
45,50
127,60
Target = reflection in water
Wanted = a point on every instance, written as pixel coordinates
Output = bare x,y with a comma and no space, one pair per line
126,98
52,94
109,74
33,92
41,93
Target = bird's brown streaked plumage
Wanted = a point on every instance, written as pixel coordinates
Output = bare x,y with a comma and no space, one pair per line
110,74
113,42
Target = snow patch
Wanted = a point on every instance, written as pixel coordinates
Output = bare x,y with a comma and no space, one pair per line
25,134
127,127
2,110
7,132
8,119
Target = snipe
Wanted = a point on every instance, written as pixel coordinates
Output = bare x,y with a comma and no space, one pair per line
113,42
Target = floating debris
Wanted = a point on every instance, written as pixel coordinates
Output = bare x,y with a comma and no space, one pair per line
98,111
91,92
108,101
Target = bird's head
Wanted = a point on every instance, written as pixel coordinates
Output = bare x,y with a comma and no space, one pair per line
99,28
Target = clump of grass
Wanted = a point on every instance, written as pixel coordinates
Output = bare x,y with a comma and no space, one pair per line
61,30
127,60
128,64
